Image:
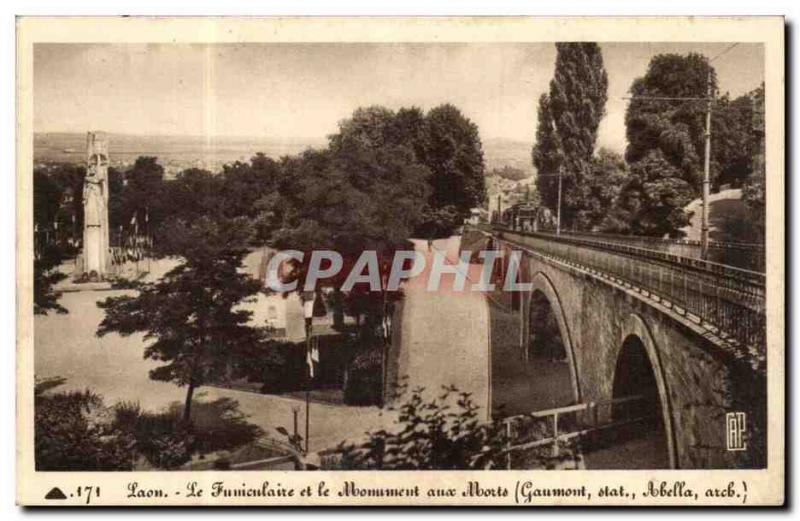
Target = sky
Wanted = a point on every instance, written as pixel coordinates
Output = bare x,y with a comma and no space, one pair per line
304,90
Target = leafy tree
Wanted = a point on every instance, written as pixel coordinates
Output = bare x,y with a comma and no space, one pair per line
666,141
754,191
162,438
45,277
47,196
116,199
438,222
370,127
732,140
548,155
568,120
191,313
443,141
69,179
144,192
194,193
601,189
409,128
351,198
243,184
242,189
655,196
674,126
47,200
453,153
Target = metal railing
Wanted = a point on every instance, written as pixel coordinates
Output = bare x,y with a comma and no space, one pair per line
746,255
121,254
548,428
749,256
727,301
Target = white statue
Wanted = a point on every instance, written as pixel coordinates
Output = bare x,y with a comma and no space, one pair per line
95,208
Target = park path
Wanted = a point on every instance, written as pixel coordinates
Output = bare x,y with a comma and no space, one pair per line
112,366
444,334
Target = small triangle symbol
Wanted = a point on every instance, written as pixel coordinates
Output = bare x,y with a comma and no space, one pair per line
55,493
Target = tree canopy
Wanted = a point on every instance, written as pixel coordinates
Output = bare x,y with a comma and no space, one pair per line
754,191
666,141
608,173
732,140
454,155
144,192
443,141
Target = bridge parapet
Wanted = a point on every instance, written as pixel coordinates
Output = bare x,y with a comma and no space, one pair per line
726,301
749,256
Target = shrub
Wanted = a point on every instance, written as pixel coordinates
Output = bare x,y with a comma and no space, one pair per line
159,437
73,431
167,442
443,433
167,451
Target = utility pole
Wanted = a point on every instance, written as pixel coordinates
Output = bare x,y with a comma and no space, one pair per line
74,228
558,210
309,378
706,172
148,243
709,99
560,172
308,315
308,402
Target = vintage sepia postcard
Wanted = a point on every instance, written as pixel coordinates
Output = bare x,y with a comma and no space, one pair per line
400,261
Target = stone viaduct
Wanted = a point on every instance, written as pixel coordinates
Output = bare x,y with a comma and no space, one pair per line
603,313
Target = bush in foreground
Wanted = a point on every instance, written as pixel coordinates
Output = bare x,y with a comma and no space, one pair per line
443,433
73,431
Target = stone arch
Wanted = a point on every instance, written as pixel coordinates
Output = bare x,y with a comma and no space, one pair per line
542,283
634,326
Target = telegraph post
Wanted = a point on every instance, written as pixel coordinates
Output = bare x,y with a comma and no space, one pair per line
148,243
308,315
558,210
706,172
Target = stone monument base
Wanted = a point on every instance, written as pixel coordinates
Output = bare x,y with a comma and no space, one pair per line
80,275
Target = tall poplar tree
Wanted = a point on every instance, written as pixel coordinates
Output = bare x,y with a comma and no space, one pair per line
569,116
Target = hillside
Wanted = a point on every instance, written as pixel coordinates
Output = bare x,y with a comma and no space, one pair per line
500,152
